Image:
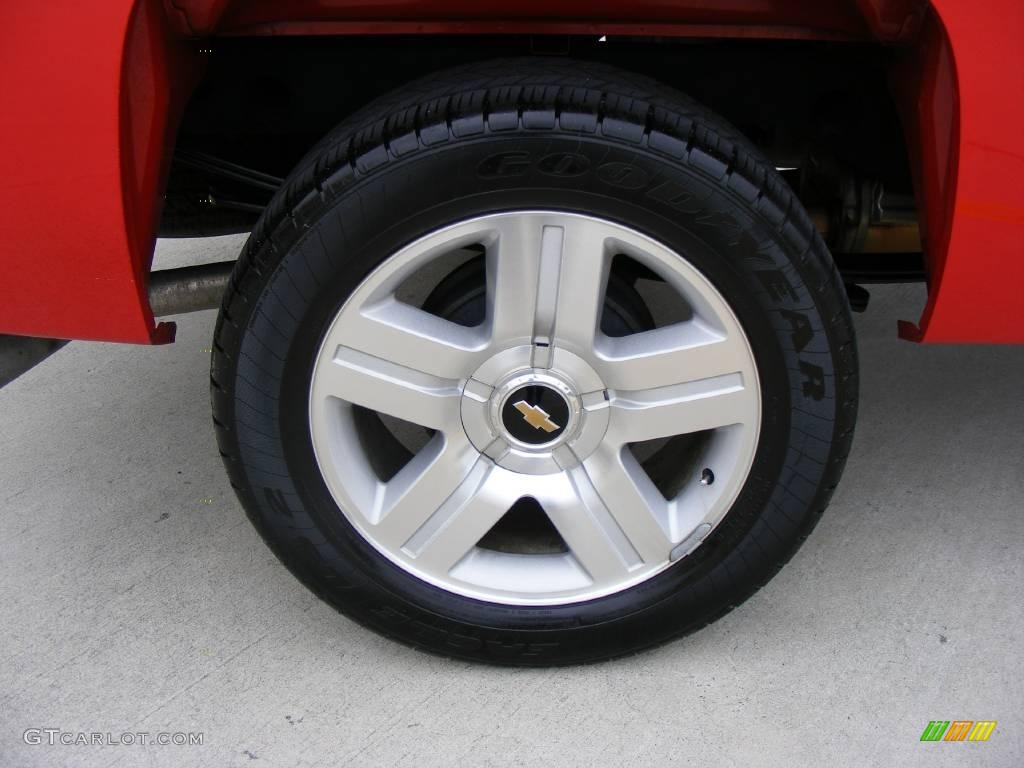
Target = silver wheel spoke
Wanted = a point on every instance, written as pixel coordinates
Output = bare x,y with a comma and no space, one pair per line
589,530
513,267
422,486
411,338
462,520
546,281
383,386
680,409
582,280
683,352
632,500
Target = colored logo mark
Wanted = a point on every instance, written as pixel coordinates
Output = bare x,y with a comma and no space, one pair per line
958,730
536,416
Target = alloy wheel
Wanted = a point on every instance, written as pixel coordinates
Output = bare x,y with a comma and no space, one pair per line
535,402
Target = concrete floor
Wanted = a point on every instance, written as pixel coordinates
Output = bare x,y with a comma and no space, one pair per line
134,596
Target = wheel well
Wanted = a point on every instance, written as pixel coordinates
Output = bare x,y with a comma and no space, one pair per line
823,109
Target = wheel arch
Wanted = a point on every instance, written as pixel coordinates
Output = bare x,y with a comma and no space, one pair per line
127,69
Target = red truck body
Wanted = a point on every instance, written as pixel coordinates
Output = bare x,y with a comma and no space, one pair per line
94,91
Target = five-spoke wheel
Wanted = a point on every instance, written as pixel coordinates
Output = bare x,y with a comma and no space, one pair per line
488,394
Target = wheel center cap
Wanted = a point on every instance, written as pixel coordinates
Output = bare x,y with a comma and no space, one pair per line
535,420
535,412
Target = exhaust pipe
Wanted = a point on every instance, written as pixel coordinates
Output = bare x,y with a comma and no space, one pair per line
188,289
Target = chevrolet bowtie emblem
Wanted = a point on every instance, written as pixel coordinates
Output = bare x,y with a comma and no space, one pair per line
536,417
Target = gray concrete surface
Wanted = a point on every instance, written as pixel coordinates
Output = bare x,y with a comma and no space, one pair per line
134,596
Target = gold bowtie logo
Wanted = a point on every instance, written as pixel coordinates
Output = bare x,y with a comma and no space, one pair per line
535,416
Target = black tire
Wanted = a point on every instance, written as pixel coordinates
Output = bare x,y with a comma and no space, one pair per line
480,140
